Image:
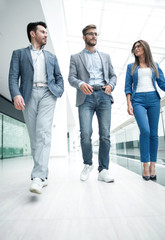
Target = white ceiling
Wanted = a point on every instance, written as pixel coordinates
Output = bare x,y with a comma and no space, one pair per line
120,24
14,17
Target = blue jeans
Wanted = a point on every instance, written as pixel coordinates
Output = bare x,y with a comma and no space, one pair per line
98,102
146,108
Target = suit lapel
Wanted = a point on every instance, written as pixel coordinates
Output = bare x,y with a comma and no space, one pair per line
82,56
136,73
29,55
46,60
46,57
153,73
102,61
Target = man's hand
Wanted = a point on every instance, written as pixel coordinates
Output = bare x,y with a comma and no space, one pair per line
86,88
108,89
19,102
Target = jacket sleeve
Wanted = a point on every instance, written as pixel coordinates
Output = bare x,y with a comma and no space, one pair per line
58,77
73,74
160,80
14,74
112,75
128,80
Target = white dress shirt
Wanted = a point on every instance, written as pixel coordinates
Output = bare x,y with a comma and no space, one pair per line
95,68
40,75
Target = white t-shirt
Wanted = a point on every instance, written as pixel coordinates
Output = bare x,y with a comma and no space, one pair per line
145,83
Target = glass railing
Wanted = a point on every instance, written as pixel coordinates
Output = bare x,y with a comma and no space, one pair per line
125,146
14,139
1,130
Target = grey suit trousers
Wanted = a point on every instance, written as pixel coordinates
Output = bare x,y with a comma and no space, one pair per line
38,115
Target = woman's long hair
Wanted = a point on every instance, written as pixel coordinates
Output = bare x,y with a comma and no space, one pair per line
148,57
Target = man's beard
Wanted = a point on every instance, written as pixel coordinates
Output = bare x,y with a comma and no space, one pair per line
43,42
90,44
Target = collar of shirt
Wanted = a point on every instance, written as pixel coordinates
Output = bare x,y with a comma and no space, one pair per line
87,51
35,50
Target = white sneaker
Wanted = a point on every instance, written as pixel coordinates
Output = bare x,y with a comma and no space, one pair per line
36,185
85,172
105,176
45,182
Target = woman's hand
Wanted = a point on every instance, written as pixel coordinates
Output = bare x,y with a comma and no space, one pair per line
130,109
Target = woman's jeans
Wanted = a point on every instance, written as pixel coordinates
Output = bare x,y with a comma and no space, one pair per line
146,108
98,102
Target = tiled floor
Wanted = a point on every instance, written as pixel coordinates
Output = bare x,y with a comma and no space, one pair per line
69,209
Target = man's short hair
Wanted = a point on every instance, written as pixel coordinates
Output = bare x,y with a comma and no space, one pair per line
87,28
33,27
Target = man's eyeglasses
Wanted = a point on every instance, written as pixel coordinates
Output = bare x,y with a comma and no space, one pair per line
137,46
92,34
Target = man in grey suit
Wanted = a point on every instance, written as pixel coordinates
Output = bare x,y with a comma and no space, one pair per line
91,73
41,83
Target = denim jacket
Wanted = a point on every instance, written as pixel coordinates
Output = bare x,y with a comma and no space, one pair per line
132,80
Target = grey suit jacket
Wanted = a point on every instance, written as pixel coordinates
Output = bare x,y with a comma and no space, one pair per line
78,72
21,67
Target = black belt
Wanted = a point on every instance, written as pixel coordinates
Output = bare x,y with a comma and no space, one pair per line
97,87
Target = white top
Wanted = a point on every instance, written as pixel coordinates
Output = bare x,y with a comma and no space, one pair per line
145,83
39,65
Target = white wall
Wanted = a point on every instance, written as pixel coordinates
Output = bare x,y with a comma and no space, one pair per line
14,17
55,18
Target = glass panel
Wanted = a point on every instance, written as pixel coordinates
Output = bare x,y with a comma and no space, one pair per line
15,138
161,149
0,136
125,148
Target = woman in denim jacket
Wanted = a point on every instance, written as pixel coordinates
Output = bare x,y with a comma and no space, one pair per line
143,101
